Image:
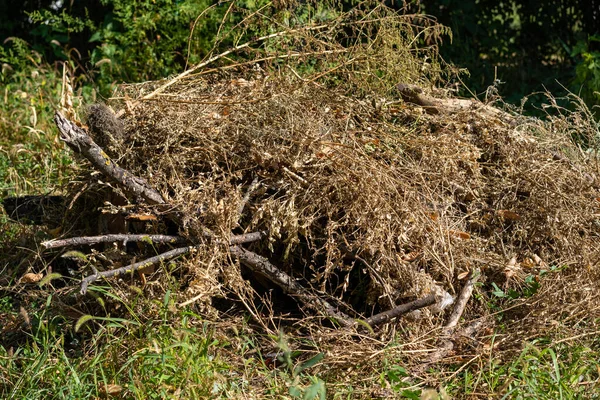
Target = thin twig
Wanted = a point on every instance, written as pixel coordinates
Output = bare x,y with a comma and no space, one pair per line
134,267
449,333
226,53
402,309
253,186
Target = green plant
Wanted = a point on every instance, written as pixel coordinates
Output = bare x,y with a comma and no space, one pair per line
301,386
587,71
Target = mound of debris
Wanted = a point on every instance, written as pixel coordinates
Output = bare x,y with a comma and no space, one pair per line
359,192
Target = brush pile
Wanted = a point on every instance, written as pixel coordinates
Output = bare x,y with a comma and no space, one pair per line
364,186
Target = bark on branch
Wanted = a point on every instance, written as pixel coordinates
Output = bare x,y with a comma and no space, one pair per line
260,265
414,94
80,142
133,267
402,309
91,240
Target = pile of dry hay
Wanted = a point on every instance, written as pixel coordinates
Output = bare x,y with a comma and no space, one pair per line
368,199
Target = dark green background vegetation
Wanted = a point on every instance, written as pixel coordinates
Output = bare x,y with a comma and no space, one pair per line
526,45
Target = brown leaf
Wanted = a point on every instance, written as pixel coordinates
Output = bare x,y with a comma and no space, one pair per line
30,277
110,390
508,215
460,234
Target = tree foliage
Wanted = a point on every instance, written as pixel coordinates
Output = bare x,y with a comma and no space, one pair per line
528,45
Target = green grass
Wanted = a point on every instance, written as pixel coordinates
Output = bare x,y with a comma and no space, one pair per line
541,371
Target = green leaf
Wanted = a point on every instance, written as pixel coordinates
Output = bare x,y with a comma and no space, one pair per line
316,390
308,364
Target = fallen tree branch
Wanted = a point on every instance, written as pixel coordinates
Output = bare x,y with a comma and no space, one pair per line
80,142
260,265
414,94
167,239
134,267
91,240
400,310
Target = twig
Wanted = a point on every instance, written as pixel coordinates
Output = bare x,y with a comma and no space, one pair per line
226,53
402,309
459,306
248,237
80,142
261,266
446,343
134,267
90,240
253,186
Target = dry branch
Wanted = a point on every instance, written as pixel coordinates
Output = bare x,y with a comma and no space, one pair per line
80,142
261,266
414,94
91,240
449,333
134,267
402,309
168,239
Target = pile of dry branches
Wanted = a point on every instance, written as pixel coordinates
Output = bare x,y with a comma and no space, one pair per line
333,170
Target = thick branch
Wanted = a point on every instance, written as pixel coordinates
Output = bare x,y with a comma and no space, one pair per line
80,142
260,265
91,240
402,309
414,94
134,267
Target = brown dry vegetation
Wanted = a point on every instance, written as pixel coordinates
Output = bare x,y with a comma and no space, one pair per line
369,201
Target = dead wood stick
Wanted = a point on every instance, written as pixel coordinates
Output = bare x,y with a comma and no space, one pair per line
261,266
80,142
449,333
134,267
168,239
414,94
90,240
253,186
248,237
400,310
459,306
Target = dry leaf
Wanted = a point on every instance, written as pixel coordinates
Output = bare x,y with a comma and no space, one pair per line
508,215
110,390
460,234
30,277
